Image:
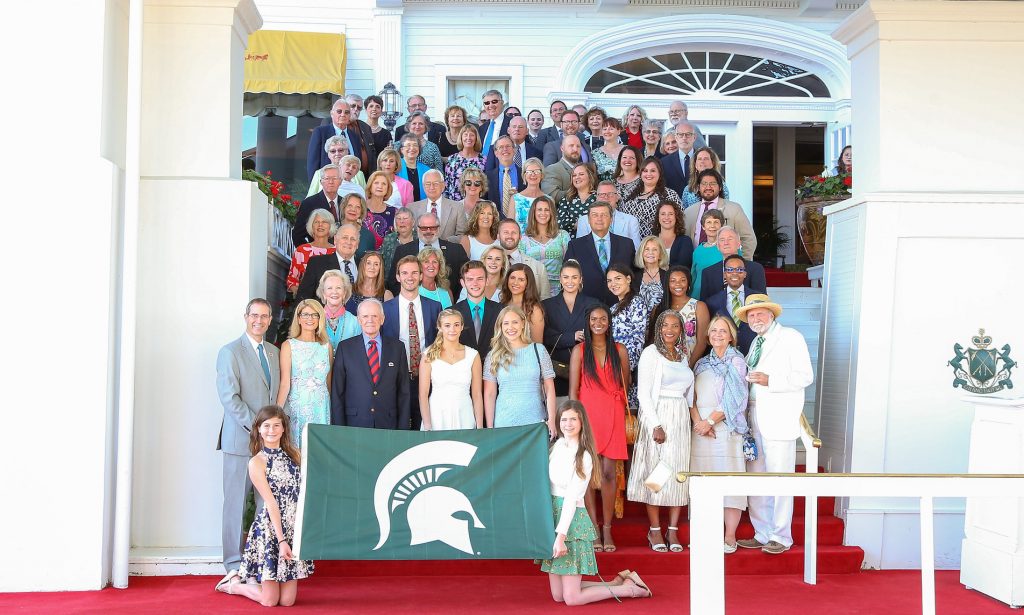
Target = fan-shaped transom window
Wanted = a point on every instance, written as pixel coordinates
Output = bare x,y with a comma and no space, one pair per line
693,72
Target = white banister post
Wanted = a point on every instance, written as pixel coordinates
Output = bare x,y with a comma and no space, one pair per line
811,521
707,559
927,556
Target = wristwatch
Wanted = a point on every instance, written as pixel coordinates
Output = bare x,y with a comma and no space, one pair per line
711,421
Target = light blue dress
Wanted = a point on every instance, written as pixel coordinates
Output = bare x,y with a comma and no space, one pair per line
703,256
520,398
551,254
309,398
342,328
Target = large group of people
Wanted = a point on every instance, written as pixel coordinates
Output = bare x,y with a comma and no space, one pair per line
570,275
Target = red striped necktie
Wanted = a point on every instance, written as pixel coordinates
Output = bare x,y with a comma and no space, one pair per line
374,359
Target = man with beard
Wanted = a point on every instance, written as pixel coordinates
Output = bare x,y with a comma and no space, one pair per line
779,370
709,184
570,126
557,176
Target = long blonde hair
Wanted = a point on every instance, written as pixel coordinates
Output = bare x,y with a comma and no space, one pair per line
442,270
502,353
434,350
321,328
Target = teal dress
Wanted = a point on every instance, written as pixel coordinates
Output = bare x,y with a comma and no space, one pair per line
703,256
440,295
309,399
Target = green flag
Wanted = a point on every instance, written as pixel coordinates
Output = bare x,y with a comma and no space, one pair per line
409,495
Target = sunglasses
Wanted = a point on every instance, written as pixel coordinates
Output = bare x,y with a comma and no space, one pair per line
474,183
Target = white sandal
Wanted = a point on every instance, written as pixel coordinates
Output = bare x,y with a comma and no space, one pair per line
657,547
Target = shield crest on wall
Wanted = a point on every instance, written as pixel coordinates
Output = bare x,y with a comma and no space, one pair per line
982,363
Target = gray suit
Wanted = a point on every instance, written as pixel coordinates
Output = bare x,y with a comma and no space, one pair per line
242,390
546,135
452,222
553,152
557,179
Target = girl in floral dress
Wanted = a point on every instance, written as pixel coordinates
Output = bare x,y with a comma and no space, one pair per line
570,472
629,317
270,572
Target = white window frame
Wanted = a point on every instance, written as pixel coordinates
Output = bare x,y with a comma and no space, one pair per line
512,72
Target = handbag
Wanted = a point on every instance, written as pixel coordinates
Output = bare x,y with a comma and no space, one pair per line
749,447
659,476
561,369
632,427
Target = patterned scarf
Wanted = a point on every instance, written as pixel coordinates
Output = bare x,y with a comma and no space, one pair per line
731,371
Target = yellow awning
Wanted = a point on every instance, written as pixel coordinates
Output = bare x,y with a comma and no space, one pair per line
295,62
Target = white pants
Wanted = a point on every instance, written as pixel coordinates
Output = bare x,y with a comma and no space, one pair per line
772,517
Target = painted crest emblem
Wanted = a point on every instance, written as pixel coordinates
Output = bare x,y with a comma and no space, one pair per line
983,373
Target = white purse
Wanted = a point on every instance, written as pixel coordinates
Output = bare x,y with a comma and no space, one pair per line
659,476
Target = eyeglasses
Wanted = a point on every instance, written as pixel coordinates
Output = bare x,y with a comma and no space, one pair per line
652,132
708,184
429,228
258,316
604,196
492,102
334,150
735,269
309,316
570,122
472,182
685,135
330,180
532,172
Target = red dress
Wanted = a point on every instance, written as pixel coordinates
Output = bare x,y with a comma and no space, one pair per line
606,408
636,139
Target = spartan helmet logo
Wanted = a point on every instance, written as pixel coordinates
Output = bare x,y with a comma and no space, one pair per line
409,479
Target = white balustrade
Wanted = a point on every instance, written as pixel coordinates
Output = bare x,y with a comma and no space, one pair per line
708,490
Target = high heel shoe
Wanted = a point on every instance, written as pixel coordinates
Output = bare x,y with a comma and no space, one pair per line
659,547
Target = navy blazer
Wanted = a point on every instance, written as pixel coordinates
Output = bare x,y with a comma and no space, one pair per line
560,327
681,252
531,152
481,344
712,279
676,177
494,185
356,401
718,303
359,135
583,250
431,310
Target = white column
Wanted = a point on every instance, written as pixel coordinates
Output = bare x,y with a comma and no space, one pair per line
993,551
388,48
915,226
203,254
60,388
785,187
741,167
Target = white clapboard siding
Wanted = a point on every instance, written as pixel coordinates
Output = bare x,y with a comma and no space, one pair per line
835,386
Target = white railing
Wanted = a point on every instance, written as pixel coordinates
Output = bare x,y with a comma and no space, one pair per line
707,492
280,233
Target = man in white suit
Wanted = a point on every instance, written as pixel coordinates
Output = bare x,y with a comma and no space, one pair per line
779,371
248,376
448,212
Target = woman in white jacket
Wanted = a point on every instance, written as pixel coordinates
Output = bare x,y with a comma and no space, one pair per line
665,391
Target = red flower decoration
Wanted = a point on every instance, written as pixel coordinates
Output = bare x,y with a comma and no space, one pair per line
821,180
847,181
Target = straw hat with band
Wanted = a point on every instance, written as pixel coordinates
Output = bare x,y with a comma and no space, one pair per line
755,302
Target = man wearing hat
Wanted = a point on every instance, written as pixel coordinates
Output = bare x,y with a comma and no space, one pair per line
779,369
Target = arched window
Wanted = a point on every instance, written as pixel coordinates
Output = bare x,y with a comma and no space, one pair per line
692,72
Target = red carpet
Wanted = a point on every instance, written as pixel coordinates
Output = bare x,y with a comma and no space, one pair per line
868,593
778,277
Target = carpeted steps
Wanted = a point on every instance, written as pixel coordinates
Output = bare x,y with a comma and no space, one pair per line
630,537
